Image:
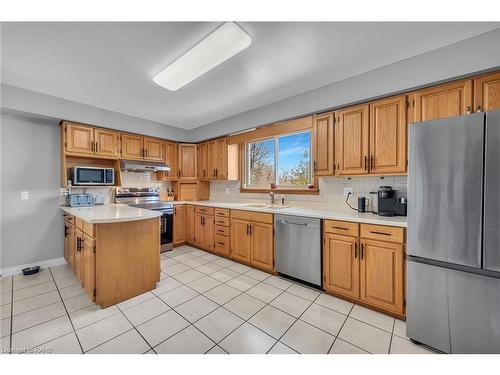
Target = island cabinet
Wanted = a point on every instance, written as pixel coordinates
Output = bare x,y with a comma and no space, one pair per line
113,261
204,227
365,263
252,239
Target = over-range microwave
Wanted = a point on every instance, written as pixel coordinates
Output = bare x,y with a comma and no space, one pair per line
93,176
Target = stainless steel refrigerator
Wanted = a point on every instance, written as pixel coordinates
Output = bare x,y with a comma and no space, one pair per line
453,254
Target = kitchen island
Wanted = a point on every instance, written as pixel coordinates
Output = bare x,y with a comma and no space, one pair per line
114,250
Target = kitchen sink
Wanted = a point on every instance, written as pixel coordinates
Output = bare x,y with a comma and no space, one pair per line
265,205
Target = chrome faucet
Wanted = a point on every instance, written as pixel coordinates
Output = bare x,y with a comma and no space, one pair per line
271,196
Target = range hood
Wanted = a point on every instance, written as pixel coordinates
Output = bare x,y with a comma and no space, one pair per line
143,166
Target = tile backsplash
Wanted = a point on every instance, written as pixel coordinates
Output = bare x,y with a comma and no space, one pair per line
331,189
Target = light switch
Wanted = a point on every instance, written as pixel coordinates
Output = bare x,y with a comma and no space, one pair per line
25,195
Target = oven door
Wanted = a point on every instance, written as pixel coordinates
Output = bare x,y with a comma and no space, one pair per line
166,230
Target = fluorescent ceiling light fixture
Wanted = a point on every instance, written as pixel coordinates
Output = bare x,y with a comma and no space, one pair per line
222,44
244,131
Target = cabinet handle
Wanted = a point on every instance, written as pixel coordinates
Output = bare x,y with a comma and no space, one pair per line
248,230
251,229
366,162
382,233
175,210
97,147
66,231
221,243
362,251
220,231
355,250
220,222
315,167
341,228
372,162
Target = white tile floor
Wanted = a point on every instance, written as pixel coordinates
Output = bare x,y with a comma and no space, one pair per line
203,304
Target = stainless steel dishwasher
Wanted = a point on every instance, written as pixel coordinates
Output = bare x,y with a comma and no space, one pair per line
297,243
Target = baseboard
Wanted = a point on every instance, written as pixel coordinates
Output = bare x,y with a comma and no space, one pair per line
43,264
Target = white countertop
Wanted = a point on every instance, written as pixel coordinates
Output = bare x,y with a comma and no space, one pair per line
110,213
333,212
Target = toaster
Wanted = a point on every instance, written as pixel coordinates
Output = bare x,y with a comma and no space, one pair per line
79,200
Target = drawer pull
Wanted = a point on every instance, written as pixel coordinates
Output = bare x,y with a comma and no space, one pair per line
382,233
221,243
220,231
341,228
220,222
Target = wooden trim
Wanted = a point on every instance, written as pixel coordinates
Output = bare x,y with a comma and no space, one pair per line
278,128
281,191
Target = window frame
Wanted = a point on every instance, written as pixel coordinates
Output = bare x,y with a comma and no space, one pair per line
276,138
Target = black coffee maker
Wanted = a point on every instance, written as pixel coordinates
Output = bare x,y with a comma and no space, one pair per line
386,201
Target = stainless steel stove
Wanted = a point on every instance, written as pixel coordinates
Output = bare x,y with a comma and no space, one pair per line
149,199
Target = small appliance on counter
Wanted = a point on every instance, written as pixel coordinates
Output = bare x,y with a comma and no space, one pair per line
374,201
362,204
98,198
388,202
79,200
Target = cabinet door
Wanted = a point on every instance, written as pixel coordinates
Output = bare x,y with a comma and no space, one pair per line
388,135
381,274
353,129
132,146
240,240
209,232
452,99
221,154
212,159
187,161
323,144
88,265
107,143
190,224
153,149
487,92
179,224
262,249
171,160
203,161
69,244
79,139
78,254
199,232
341,265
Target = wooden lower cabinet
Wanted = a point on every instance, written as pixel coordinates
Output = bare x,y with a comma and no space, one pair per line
381,275
262,247
87,259
179,233
240,240
78,254
204,231
341,265
69,243
190,224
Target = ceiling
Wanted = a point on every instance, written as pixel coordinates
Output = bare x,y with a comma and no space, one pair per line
111,65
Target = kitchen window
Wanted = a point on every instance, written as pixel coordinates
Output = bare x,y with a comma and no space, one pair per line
284,160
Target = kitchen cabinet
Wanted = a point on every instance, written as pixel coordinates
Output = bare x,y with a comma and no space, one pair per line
179,225
170,152
78,254
388,129
252,239
381,275
487,92
451,99
203,161
341,265
217,159
190,224
87,259
204,228
90,141
69,243
153,149
132,146
323,144
352,141
187,161
222,245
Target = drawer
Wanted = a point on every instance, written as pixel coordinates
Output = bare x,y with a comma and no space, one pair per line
224,221
252,216
69,218
222,244
224,231
69,223
383,233
79,223
345,228
221,212
204,210
89,229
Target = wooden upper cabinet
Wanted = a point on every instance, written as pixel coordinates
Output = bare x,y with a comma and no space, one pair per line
487,92
452,99
211,159
107,142
341,265
132,146
221,154
79,138
187,163
203,161
262,252
179,225
240,240
388,135
190,224
381,275
323,144
352,141
153,149
171,159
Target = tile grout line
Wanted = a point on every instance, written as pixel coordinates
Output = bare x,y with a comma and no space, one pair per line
392,336
67,314
340,330
11,313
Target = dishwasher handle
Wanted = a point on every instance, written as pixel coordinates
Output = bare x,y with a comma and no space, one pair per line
290,223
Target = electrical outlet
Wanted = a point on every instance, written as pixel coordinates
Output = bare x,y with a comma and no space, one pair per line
346,191
25,195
